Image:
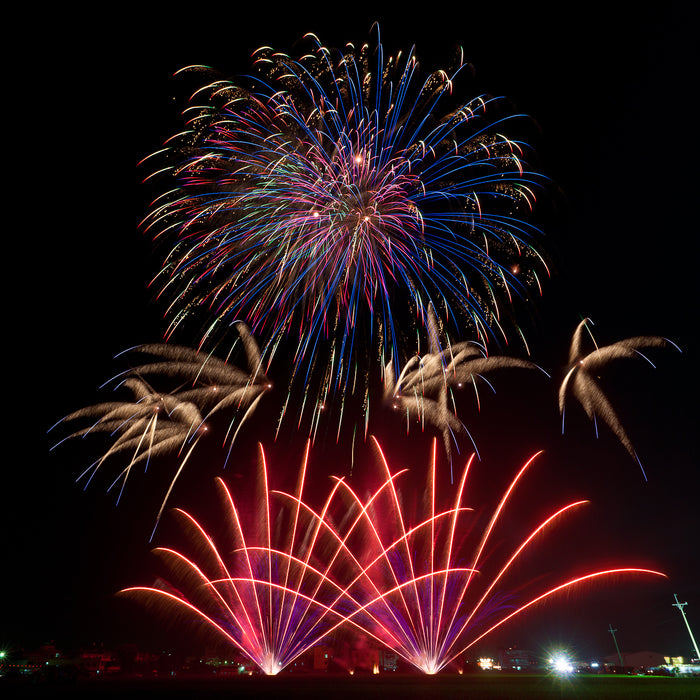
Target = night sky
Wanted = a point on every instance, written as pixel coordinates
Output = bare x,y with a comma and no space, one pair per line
611,93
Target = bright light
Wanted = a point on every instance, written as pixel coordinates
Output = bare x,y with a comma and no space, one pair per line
561,664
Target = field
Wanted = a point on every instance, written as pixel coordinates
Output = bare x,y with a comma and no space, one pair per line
385,687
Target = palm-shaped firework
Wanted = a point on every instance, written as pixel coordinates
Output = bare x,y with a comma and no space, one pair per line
211,384
580,380
425,383
155,423
149,425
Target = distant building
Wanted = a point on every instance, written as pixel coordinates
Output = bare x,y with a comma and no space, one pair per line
514,659
388,660
98,662
637,659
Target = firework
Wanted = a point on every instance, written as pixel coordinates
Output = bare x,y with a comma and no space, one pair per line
429,590
580,380
158,424
270,592
211,384
424,389
329,200
150,425
426,589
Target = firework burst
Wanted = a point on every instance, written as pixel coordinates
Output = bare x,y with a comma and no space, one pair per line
330,196
580,380
149,425
210,383
432,587
271,592
172,422
424,389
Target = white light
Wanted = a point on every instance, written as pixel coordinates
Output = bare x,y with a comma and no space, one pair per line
562,665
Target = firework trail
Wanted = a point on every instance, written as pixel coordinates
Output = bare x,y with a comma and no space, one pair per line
150,425
155,424
580,380
212,384
422,389
327,198
292,575
428,590
270,592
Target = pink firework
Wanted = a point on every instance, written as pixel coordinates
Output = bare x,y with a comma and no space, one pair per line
424,588
268,591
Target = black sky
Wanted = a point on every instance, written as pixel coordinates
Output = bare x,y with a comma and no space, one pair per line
611,91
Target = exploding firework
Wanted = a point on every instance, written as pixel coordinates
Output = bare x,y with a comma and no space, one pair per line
580,380
212,384
424,389
329,200
156,424
428,589
150,425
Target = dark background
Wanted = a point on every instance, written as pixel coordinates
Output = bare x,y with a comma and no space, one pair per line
611,90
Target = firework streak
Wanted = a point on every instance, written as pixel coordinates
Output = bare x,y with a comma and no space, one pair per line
292,575
329,200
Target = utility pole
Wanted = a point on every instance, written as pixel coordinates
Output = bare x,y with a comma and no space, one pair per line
619,655
680,606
